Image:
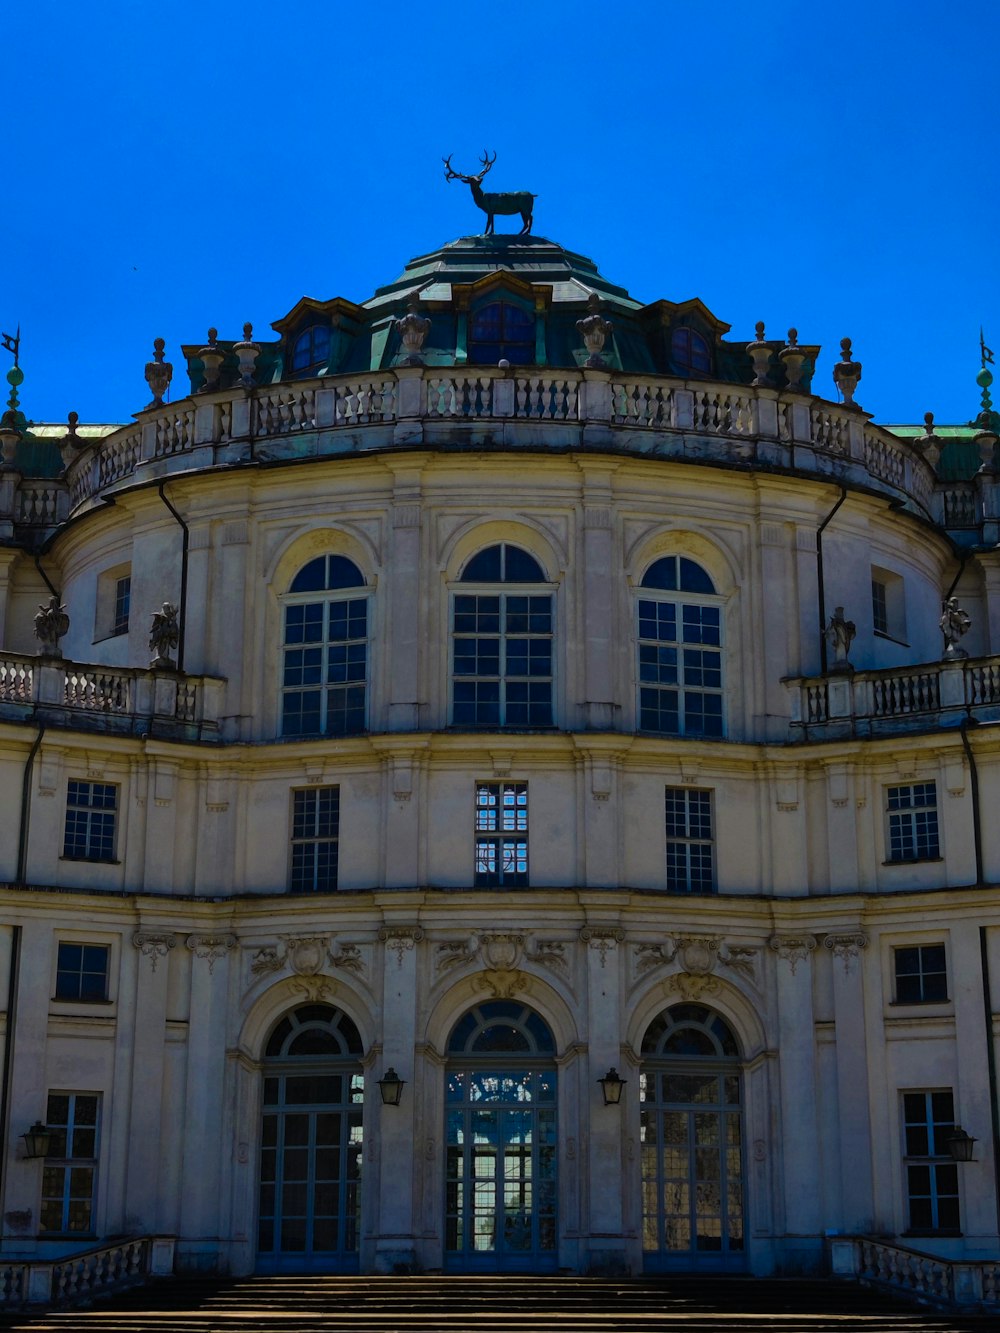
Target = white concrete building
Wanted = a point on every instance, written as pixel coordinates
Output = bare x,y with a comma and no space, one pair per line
503,750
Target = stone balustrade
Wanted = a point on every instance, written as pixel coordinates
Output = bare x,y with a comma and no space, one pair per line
866,703
77,1278
926,1278
124,699
423,405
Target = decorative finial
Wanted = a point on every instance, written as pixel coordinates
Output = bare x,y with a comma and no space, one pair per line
248,351
247,332
51,623
760,354
846,374
212,359
594,330
413,329
792,358
15,378
793,337
929,423
212,335
759,329
13,343
158,374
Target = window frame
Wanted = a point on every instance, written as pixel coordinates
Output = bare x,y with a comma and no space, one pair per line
501,836
315,363
680,599
888,605
107,624
922,972
61,971
316,841
685,364
908,817
940,1166
94,814
68,1163
503,345
689,842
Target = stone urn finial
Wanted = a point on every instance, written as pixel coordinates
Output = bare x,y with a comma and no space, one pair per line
929,444
159,373
595,330
955,624
211,358
760,354
846,374
840,635
10,435
71,444
792,358
51,623
413,329
248,351
164,634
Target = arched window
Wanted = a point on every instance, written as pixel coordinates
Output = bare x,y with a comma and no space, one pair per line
502,331
501,1027
680,650
325,650
502,642
689,352
691,1137
311,348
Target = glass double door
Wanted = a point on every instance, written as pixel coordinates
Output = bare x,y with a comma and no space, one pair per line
310,1172
500,1205
692,1170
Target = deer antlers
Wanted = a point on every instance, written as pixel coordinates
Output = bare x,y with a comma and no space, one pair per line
485,162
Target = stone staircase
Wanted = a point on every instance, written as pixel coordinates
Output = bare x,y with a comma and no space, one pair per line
524,1304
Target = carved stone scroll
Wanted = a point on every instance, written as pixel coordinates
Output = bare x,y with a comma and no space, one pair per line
154,945
847,946
211,947
792,948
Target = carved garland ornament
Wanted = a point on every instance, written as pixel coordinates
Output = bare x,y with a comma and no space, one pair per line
697,956
306,955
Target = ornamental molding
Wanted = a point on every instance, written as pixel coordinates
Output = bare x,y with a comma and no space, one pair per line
211,947
792,948
154,945
697,956
400,940
306,955
605,939
847,946
501,954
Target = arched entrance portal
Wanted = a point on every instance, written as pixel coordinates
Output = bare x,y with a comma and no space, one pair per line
310,1156
500,1204
692,1136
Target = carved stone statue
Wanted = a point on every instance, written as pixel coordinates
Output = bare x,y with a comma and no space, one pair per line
955,623
595,330
51,623
413,328
164,634
840,635
510,201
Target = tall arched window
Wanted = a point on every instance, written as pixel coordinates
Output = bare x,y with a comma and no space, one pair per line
502,642
680,650
691,1135
325,650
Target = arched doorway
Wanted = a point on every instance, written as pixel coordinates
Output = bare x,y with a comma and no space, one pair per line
691,1131
500,1135
310,1157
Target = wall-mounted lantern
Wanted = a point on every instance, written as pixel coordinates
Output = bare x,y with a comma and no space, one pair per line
37,1140
390,1085
960,1145
611,1086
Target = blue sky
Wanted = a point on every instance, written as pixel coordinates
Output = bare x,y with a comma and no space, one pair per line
168,167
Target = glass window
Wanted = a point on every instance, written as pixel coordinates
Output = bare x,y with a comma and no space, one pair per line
311,348
315,839
325,651
123,598
931,1174
82,971
679,651
502,331
689,840
501,835
91,811
913,822
502,644
689,352
921,974
70,1170
888,604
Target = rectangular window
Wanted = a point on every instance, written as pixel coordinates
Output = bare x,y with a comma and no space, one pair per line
502,660
880,612
70,1169
680,669
931,1174
913,822
888,604
690,860
315,839
82,971
501,834
123,598
921,975
91,811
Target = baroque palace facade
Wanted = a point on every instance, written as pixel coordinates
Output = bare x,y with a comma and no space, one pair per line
553,832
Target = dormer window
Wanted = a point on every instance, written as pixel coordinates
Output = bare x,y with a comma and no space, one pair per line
690,352
311,349
502,332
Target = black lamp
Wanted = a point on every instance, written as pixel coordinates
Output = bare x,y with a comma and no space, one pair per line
37,1140
611,1086
960,1145
390,1085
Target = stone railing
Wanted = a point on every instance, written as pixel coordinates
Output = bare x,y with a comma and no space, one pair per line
125,698
869,702
415,405
926,1278
78,1278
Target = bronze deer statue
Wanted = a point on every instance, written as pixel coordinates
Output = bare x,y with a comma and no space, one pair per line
510,201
